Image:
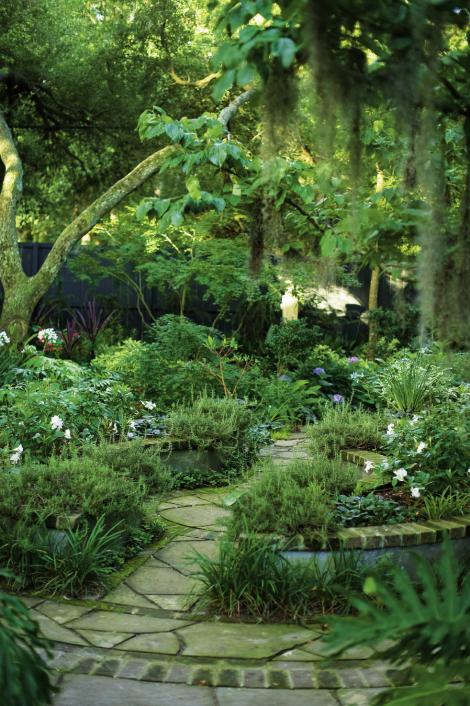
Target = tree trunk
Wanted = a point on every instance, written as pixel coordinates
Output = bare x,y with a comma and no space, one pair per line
22,293
372,308
18,306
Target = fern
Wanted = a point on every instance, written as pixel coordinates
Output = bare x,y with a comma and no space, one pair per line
428,622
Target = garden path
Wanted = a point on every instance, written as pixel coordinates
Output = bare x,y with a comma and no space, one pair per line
147,630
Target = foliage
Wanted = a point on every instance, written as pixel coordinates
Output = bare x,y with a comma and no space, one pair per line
79,561
342,427
434,446
48,415
133,460
222,425
288,344
71,485
92,321
251,577
336,374
428,624
447,504
286,401
371,509
296,500
410,385
179,338
24,676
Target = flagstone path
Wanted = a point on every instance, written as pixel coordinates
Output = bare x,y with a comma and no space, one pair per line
148,630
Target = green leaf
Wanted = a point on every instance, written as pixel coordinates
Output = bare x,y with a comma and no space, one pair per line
223,84
286,49
177,218
193,187
174,131
217,154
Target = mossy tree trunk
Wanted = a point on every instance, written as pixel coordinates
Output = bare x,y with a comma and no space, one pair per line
22,293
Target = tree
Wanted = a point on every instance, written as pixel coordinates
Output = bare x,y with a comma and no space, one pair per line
22,293
410,57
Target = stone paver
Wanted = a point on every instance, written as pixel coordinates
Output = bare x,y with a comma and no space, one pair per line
126,622
61,612
197,516
56,632
101,691
242,640
123,595
277,697
162,643
153,580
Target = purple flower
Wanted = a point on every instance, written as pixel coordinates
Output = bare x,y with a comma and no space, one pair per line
338,398
353,359
319,371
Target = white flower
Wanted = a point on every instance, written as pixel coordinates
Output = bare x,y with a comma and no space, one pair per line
37,436
368,466
17,453
115,428
48,335
400,474
67,434
415,492
130,435
414,419
4,339
421,447
468,470
56,422
149,405
132,425
390,429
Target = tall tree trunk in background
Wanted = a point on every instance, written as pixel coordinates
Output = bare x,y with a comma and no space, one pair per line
373,303
22,293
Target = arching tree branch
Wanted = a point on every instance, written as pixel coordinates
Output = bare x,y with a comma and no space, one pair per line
81,225
10,261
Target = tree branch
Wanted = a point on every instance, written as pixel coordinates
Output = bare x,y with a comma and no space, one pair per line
305,213
81,225
10,259
228,113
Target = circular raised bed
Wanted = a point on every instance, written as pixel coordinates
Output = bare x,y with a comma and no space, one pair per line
398,540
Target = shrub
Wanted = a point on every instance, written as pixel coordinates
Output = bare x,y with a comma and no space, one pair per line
288,343
25,678
178,338
67,486
251,577
288,402
434,447
293,500
135,460
44,417
342,427
337,374
222,425
411,384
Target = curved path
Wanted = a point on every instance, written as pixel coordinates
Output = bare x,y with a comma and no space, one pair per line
147,631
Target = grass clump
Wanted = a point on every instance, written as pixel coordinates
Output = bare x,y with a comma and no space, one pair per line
293,500
342,427
251,577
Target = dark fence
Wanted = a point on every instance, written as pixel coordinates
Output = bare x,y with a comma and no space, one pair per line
69,293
